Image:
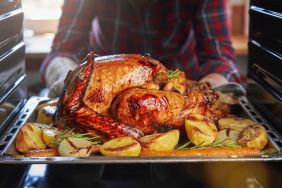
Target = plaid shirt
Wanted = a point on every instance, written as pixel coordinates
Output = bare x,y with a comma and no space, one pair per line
192,35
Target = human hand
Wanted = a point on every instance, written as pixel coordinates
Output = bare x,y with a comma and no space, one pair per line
56,73
214,79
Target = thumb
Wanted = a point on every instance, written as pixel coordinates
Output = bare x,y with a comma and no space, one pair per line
56,88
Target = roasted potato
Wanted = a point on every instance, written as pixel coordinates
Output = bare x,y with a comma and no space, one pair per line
45,114
75,147
49,136
123,146
42,153
234,123
160,141
29,138
254,136
231,136
200,130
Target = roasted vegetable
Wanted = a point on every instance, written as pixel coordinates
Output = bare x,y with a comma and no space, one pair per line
49,136
230,136
123,146
42,153
160,141
75,147
254,136
29,138
45,114
201,131
234,123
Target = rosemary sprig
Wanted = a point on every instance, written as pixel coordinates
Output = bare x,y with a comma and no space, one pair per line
184,146
268,151
62,136
218,144
87,136
173,74
70,134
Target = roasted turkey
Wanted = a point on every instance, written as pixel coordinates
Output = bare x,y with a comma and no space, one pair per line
130,94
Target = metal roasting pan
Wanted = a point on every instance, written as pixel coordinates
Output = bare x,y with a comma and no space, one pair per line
8,153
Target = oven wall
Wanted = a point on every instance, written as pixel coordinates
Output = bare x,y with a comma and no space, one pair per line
12,63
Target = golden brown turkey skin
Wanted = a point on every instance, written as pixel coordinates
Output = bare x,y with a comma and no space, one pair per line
129,94
88,93
114,74
148,110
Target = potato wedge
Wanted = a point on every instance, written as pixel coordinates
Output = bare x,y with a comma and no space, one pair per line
75,147
30,137
231,136
42,153
254,136
236,123
200,130
45,115
49,135
160,141
123,146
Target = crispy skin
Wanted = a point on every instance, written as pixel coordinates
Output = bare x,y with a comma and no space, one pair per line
29,138
84,109
116,73
129,95
147,110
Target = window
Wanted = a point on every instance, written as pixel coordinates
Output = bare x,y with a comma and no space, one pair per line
41,16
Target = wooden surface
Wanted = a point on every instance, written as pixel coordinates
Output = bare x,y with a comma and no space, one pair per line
240,44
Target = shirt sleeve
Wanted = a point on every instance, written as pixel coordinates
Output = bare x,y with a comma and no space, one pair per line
213,40
72,37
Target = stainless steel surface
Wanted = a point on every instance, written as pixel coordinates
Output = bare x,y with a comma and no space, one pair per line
264,46
12,48
9,5
12,88
12,65
9,153
11,102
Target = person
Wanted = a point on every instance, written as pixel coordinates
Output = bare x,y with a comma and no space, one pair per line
191,35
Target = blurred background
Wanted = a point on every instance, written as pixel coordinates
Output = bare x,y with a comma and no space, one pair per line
41,21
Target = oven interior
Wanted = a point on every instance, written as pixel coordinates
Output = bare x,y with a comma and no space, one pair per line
260,102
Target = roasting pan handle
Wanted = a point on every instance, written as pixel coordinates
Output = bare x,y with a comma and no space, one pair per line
12,88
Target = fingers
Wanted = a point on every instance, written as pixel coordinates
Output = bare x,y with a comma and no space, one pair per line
56,73
214,79
58,69
56,88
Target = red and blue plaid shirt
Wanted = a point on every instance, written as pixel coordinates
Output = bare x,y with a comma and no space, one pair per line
192,35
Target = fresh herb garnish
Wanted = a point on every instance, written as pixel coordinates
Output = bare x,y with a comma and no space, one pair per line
70,134
173,74
268,151
218,144
184,146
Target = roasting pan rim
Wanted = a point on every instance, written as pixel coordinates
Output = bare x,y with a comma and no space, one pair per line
34,101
